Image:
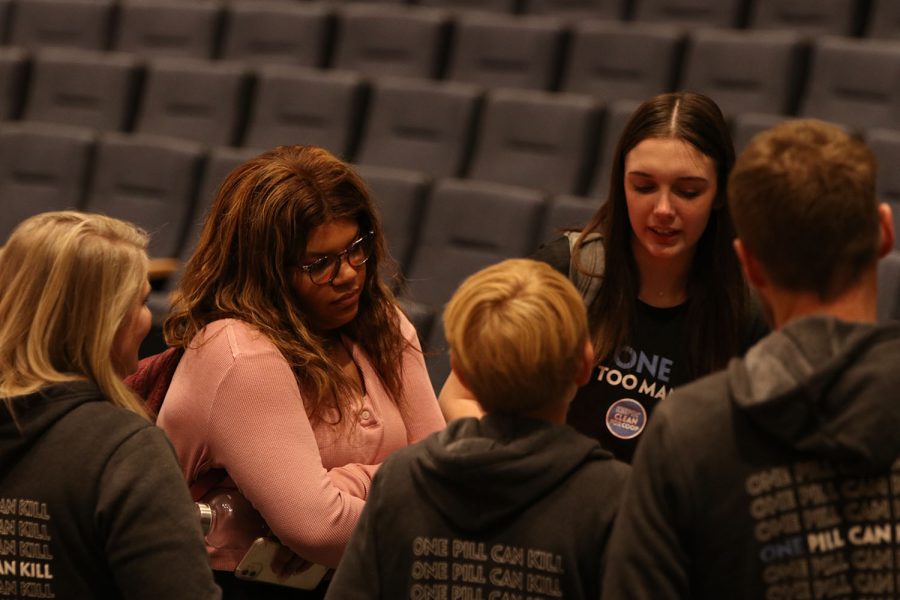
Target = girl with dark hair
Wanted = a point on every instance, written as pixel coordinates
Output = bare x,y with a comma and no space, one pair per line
667,301
299,374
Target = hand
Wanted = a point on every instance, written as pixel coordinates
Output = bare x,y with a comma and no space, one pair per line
286,563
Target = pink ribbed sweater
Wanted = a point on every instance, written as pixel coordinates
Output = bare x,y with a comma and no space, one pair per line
234,404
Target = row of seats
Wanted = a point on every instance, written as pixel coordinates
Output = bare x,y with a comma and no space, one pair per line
874,18
219,28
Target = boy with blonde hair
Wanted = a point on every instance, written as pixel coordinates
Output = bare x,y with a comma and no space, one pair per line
513,503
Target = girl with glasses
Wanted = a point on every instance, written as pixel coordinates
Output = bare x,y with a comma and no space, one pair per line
299,374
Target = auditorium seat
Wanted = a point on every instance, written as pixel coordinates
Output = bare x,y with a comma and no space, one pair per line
884,20
81,24
745,71
807,17
169,27
506,51
854,81
266,32
889,287
90,89
399,196
495,6
467,225
42,167
199,100
296,105
420,124
13,66
535,139
693,13
615,118
623,61
390,41
578,9
566,212
149,180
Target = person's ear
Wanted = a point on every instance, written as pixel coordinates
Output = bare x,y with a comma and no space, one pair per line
753,271
886,229
586,364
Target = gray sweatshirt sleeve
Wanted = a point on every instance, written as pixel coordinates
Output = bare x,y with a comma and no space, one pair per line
146,520
646,557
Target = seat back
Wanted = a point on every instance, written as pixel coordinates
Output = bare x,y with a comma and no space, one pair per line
536,139
296,105
623,61
198,100
384,41
92,89
169,28
148,180
421,125
42,167
506,51
265,32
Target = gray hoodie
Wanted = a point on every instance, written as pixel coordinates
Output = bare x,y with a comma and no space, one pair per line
497,505
776,478
93,505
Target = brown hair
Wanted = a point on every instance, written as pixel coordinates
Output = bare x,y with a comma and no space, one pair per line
716,288
804,203
517,331
254,237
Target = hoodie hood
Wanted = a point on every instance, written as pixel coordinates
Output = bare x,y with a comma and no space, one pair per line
38,412
480,473
826,387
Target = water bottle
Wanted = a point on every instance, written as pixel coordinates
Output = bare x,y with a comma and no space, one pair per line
229,521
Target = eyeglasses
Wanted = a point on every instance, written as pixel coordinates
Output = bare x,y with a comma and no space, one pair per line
324,270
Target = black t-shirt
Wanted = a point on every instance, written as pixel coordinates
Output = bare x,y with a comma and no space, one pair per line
615,405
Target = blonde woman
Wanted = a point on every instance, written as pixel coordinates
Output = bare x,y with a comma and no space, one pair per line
92,504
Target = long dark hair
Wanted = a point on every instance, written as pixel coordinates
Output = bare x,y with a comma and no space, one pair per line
254,236
716,288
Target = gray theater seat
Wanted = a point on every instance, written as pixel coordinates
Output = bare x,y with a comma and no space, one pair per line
854,82
169,27
81,24
884,20
565,213
295,105
493,6
265,32
807,17
694,13
420,124
42,167
578,9
745,71
536,139
149,180
889,287
91,89
614,120
506,51
199,100
13,67
390,41
623,61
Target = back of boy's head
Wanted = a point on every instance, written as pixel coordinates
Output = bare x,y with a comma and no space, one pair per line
803,201
516,332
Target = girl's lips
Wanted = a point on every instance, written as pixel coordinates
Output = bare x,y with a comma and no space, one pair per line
664,235
347,299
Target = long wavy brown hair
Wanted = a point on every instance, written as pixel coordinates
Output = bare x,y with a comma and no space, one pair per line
719,298
254,237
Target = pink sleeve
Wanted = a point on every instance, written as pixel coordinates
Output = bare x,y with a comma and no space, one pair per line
419,407
259,431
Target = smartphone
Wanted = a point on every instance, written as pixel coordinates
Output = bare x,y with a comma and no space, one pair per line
257,566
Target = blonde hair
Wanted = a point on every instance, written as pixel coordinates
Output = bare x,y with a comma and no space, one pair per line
516,332
68,281
803,199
